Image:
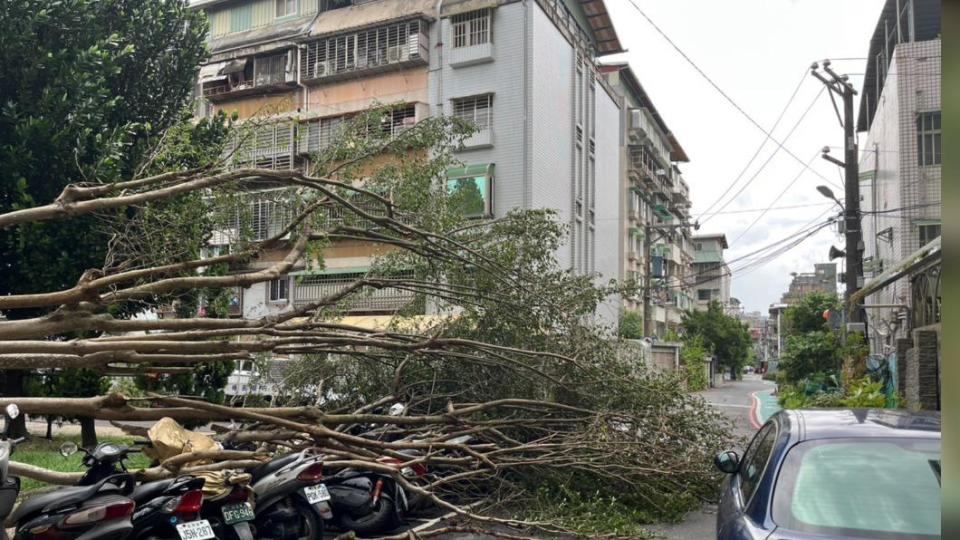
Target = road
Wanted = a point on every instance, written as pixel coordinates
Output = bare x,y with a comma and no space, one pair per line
735,399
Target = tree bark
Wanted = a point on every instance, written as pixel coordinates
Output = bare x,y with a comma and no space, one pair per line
49,428
88,432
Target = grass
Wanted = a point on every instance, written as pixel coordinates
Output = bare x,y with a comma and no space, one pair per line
45,453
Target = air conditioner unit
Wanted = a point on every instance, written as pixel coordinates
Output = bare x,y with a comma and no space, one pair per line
396,54
413,45
322,69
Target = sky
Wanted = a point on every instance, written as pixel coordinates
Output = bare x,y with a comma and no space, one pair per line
757,52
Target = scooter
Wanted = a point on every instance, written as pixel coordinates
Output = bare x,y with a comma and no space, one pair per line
98,511
165,509
366,502
9,485
292,500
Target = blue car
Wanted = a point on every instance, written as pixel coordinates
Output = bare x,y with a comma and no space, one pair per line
818,474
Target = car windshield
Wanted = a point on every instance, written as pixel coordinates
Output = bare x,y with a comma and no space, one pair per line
884,488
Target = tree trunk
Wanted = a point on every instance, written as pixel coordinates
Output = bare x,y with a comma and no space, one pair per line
88,432
49,428
13,387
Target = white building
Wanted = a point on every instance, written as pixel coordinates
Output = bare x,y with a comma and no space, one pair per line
900,176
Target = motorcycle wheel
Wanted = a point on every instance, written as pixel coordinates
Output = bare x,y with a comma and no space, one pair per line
311,526
381,519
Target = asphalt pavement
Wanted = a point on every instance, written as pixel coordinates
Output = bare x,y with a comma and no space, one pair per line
736,400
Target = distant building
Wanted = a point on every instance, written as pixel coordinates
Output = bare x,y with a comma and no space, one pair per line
900,163
757,325
711,275
655,206
822,279
776,334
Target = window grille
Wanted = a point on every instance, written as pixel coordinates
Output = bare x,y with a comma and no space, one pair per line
285,8
387,299
268,146
269,70
385,45
471,28
280,290
477,109
928,138
398,120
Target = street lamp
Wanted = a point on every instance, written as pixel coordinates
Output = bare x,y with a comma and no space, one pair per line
828,193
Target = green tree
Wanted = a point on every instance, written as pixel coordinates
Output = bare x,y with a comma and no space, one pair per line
631,324
724,336
807,316
86,86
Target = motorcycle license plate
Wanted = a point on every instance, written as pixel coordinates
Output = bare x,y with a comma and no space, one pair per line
195,530
316,494
235,513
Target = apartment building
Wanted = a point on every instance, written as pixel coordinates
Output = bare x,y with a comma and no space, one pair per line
823,279
655,230
524,72
900,164
711,276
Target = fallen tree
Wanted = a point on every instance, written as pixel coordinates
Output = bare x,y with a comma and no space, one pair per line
512,357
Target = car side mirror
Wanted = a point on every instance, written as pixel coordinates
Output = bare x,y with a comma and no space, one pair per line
727,462
68,449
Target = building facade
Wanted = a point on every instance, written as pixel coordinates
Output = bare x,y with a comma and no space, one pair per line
711,276
524,72
900,164
823,279
655,229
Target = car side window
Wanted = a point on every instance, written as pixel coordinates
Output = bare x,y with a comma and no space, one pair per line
755,461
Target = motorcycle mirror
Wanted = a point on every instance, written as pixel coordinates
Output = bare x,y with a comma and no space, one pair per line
13,411
68,449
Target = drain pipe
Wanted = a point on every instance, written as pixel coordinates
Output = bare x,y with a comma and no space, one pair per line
439,47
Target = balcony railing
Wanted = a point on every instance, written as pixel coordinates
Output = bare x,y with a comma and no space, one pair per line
372,49
386,300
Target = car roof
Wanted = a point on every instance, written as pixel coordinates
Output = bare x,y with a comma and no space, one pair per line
810,424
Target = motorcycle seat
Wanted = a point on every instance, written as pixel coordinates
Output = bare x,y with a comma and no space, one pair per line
271,466
61,498
149,491
175,486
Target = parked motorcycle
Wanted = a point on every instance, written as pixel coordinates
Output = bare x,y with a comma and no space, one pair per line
9,485
366,502
292,500
165,509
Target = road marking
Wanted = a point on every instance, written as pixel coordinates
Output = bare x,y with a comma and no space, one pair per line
730,405
755,410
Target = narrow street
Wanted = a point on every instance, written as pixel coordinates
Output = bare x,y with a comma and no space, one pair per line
735,399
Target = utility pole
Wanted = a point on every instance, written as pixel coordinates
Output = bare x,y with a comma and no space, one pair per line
840,85
648,240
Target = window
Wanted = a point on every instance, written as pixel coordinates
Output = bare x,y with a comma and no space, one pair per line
271,69
471,28
280,289
928,138
928,233
703,294
755,461
286,8
834,488
476,109
469,190
367,49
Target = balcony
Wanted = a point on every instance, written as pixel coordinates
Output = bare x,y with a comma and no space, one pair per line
472,55
317,287
368,51
245,76
483,138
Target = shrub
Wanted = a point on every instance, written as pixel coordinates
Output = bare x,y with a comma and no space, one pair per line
865,393
631,325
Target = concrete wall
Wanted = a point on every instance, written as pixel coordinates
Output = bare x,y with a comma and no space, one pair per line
608,248
921,381
911,87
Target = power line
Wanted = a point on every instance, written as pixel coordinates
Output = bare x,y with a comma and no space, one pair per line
762,143
717,87
775,200
754,210
806,165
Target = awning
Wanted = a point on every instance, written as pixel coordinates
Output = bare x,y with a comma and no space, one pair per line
211,72
470,171
234,66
